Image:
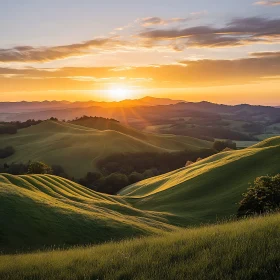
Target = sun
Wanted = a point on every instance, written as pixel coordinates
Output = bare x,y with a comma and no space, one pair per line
119,93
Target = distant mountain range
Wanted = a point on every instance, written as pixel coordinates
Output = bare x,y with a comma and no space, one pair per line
127,111
35,106
202,120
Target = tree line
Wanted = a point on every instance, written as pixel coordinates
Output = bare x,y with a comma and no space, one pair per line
13,127
120,170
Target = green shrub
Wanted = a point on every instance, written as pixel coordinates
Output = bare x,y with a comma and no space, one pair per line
262,197
135,177
221,145
112,183
37,167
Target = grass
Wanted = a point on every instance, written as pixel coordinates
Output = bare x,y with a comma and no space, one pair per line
208,189
105,124
248,249
50,210
43,210
78,148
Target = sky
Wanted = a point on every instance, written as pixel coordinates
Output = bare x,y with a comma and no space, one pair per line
223,51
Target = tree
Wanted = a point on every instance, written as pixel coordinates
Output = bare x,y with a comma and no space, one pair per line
112,183
93,176
53,119
262,197
220,145
91,179
59,171
37,167
135,177
150,173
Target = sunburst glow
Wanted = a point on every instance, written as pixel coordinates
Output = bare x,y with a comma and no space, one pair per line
119,93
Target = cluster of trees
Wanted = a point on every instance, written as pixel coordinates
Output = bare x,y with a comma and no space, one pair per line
12,127
14,168
262,197
116,171
6,152
95,118
8,128
221,145
97,181
28,123
120,170
114,182
33,167
127,163
37,167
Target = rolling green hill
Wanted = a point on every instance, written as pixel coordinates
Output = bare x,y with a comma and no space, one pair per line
208,189
49,210
247,249
45,210
108,124
78,148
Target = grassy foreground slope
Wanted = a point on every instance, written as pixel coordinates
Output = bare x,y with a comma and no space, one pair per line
209,189
78,148
248,249
45,210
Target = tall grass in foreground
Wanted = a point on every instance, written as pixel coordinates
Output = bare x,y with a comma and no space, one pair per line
247,249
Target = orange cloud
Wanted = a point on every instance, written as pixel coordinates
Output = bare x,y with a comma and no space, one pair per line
199,73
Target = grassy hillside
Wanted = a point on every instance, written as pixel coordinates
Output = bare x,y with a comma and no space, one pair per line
108,124
247,249
78,148
44,210
168,142
49,210
208,189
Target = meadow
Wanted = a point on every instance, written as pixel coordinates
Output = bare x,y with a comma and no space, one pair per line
43,210
78,148
246,249
51,210
208,189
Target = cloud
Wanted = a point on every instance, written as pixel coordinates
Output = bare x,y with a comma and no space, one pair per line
268,3
266,54
150,21
187,73
43,54
237,32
